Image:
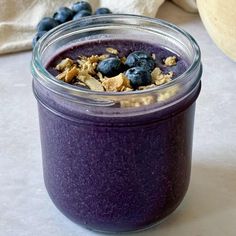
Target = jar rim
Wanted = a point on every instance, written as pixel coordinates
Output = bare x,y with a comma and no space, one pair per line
40,71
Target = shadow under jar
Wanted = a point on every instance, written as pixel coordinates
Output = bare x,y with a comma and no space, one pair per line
107,167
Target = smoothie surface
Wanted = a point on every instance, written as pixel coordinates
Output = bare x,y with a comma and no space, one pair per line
166,65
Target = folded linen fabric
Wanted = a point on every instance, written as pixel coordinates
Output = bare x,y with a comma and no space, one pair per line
18,18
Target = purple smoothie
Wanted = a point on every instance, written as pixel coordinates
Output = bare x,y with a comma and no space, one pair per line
107,167
112,173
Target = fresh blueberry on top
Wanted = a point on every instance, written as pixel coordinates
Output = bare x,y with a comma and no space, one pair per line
81,5
63,15
110,67
46,24
81,14
138,76
140,59
37,36
102,10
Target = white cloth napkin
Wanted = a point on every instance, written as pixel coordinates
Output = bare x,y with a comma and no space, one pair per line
18,18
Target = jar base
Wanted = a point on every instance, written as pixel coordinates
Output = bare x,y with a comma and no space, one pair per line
141,229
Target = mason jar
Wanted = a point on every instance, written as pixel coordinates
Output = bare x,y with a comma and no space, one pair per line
112,161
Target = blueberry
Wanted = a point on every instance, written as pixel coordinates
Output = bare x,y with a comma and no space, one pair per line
46,24
37,37
110,67
81,14
102,10
81,5
140,59
138,76
63,15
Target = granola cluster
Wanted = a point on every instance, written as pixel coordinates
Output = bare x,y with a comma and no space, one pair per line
83,72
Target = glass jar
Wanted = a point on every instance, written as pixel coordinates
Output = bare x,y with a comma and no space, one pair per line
109,167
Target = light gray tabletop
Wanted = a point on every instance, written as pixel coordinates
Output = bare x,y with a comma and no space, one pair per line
209,208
